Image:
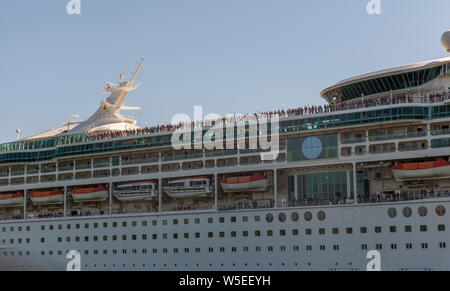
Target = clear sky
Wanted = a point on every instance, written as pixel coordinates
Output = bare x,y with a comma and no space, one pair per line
226,55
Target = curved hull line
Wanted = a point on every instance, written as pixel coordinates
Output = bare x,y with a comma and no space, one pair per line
93,196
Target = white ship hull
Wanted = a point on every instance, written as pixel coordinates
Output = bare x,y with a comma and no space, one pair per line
437,172
52,199
341,251
260,185
93,196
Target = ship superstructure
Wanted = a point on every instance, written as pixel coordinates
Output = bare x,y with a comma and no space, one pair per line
367,171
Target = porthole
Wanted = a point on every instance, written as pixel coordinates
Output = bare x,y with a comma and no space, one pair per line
269,217
294,216
282,217
407,212
392,212
321,215
440,210
307,216
423,211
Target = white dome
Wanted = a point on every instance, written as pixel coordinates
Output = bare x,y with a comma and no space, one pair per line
445,40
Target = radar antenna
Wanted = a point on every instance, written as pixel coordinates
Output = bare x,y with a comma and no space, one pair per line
445,41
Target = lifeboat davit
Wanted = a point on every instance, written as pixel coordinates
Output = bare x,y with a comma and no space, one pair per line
11,200
426,170
136,191
255,182
47,197
189,187
89,194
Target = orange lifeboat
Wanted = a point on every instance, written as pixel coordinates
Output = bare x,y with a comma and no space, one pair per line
47,197
425,170
11,200
255,182
88,194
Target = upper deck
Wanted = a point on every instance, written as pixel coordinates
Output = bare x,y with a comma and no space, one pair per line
351,145
423,77
299,120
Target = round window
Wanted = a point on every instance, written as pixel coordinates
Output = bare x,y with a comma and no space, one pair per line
282,217
312,147
440,210
392,212
308,216
423,211
269,217
407,212
294,216
321,215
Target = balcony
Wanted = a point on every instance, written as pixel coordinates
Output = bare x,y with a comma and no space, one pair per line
173,156
65,177
440,131
83,165
226,162
18,172
130,171
250,161
397,136
65,168
101,165
32,180
83,175
101,174
220,153
170,167
353,140
384,150
412,147
33,169
139,161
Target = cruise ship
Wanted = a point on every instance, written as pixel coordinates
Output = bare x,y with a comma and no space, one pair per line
367,171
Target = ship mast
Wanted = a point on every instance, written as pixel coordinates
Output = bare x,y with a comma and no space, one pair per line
136,72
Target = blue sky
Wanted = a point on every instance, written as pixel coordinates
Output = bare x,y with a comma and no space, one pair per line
222,54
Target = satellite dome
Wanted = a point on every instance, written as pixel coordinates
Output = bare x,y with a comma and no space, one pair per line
445,40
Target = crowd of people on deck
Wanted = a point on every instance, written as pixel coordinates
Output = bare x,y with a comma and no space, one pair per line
254,204
380,197
312,201
282,113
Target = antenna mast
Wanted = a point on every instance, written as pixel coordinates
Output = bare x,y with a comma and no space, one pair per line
137,70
